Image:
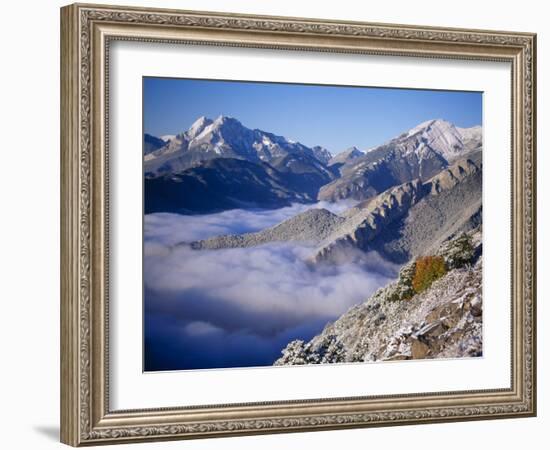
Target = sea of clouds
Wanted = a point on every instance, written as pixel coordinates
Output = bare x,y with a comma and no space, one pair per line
240,307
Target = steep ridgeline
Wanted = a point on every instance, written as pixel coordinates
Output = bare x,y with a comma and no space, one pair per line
220,164
396,323
399,223
225,137
419,153
413,217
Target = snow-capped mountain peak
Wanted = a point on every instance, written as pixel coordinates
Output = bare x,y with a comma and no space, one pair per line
221,119
440,136
226,137
198,127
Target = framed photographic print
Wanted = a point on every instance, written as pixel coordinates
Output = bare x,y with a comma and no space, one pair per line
280,224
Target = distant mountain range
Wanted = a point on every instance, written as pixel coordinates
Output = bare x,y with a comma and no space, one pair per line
225,137
418,153
221,164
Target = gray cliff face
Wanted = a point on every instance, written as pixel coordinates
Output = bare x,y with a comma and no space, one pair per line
322,154
442,321
420,153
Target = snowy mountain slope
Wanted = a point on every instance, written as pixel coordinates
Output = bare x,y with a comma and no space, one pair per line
443,321
310,173
322,154
224,137
418,153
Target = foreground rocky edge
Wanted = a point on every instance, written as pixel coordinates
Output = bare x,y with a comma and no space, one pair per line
395,323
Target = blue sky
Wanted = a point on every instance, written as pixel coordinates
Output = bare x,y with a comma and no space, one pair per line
335,117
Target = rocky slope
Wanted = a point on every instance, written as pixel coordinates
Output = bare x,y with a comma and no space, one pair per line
410,218
443,321
302,173
322,154
419,153
399,224
311,226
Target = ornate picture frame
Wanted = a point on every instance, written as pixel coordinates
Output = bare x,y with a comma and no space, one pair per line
87,31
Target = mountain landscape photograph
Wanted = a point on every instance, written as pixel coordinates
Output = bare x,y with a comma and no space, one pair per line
290,224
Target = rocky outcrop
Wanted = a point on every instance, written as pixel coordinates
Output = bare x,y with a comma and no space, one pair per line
322,154
444,321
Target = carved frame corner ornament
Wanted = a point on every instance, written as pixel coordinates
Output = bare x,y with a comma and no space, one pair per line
86,32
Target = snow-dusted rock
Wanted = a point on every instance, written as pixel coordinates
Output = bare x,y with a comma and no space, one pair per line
444,321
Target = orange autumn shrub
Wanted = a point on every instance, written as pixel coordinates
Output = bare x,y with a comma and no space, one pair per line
427,270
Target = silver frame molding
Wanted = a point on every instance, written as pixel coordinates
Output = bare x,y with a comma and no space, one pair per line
86,32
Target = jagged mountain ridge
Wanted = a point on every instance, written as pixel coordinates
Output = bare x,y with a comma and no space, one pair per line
391,215
420,153
225,137
303,174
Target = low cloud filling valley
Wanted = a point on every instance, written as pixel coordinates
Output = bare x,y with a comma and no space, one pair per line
239,307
